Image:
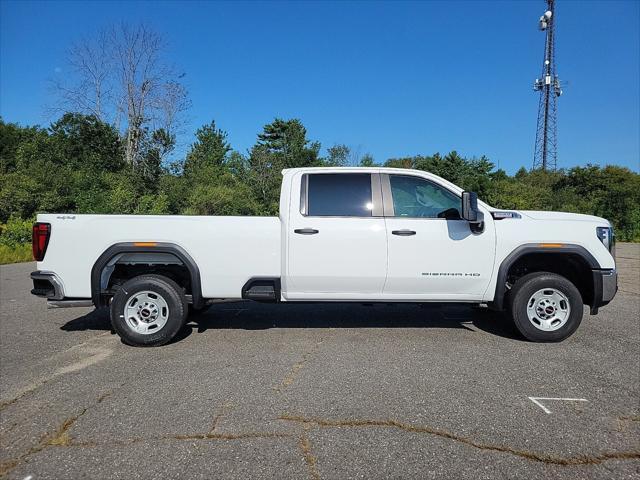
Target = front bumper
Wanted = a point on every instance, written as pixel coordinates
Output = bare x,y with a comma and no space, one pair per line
605,287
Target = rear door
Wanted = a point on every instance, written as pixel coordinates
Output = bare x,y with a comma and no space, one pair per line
433,254
337,245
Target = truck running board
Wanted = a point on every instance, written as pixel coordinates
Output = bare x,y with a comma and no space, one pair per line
262,290
69,303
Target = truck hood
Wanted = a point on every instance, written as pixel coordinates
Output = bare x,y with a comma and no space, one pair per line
563,216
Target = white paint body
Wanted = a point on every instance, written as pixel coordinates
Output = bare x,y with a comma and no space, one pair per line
350,259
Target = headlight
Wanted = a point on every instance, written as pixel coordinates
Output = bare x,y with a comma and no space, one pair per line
607,237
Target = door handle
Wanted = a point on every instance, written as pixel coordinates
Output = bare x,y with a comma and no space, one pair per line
306,231
403,233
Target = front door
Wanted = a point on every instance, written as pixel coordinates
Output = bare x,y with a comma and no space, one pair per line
337,243
433,254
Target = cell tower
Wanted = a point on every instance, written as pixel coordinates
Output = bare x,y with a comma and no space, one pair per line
545,155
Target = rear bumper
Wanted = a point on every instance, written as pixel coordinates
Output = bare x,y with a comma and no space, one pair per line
605,287
47,285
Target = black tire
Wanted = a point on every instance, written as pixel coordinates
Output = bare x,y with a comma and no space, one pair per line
161,286
522,292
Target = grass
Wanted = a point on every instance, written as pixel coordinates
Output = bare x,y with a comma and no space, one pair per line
16,254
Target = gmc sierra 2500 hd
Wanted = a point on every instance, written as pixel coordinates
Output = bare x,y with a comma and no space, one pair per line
342,235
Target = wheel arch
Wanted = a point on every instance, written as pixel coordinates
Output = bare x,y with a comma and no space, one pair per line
148,253
561,253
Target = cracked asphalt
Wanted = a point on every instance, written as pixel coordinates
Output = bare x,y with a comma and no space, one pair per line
330,391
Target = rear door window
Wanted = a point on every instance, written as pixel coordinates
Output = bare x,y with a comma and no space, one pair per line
339,195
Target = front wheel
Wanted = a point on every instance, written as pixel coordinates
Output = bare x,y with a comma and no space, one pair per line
545,307
148,310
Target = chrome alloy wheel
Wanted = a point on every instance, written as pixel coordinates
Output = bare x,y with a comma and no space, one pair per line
548,309
146,312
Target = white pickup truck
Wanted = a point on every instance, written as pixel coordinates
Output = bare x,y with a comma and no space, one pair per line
342,235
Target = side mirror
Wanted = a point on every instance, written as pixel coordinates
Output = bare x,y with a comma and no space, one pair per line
471,213
470,206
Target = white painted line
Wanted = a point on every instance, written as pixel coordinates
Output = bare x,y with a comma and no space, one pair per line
545,409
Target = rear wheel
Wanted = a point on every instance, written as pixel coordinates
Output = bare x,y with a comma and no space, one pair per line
148,310
545,307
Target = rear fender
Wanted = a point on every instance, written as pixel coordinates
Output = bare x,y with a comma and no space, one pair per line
154,253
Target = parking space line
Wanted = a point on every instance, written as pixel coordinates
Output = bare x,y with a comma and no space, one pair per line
545,409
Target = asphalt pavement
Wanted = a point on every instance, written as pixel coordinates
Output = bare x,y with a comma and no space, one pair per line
330,391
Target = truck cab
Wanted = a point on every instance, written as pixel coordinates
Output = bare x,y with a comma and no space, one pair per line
391,235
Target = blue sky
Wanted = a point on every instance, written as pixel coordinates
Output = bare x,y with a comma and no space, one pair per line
389,78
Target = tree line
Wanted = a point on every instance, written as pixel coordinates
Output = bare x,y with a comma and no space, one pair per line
79,164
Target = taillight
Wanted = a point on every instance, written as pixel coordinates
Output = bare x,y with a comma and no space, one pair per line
40,240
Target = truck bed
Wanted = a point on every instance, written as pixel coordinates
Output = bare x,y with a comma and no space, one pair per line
227,250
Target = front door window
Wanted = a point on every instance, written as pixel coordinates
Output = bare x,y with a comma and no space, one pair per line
415,197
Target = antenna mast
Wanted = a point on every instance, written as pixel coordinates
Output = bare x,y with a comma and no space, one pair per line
545,155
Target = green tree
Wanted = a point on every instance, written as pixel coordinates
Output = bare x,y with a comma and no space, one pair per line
264,177
287,141
83,141
219,192
282,144
367,161
210,149
12,136
404,162
612,192
40,180
471,174
338,156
